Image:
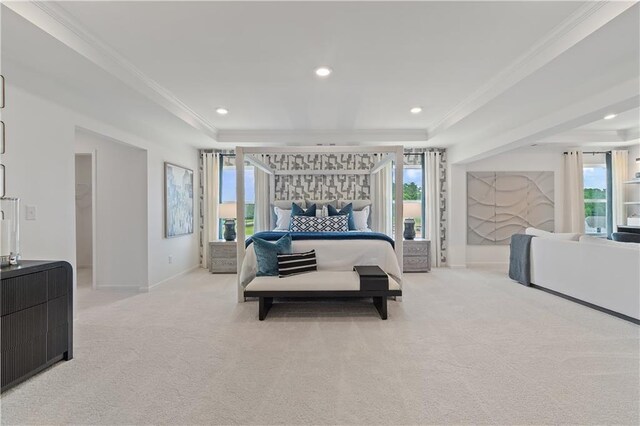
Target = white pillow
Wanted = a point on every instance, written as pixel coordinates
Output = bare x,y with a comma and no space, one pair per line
361,218
283,218
568,236
321,212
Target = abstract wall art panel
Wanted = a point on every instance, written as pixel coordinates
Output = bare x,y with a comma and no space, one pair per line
178,196
500,204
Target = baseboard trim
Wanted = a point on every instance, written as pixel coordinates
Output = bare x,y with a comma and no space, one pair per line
487,264
589,305
456,266
180,274
133,287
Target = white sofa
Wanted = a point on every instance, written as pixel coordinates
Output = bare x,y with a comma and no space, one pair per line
600,272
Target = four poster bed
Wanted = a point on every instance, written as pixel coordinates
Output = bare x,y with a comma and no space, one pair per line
337,250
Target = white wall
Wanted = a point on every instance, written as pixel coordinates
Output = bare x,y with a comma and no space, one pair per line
40,169
84,232
529,159
40,162
121,211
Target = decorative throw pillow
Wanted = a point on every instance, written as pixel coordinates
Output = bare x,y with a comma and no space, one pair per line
357,204
319,224
346,210
283,219
361,218
267,254
296,263
296,210
283,205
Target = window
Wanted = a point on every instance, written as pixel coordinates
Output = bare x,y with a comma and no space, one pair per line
412,191
412,194
228,189
595,199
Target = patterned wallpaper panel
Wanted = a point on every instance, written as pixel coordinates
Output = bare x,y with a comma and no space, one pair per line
317,187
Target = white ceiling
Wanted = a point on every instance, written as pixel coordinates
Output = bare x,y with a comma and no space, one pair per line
625,120
489,75
257,59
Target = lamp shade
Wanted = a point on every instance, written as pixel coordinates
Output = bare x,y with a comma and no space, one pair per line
227,211
412,209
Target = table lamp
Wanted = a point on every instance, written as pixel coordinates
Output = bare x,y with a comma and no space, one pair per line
227,211
411,210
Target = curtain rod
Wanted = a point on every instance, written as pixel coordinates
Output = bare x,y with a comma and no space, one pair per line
592,152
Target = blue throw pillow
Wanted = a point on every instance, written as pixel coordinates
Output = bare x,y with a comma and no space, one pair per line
296,210
267,254
348,210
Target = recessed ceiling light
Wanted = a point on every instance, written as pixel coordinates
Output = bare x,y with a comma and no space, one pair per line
323,71
222,111
416,110
609,116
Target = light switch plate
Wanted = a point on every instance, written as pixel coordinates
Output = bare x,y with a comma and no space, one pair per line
30,212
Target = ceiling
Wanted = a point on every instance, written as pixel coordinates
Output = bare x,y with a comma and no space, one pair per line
625,120
483,72
257,59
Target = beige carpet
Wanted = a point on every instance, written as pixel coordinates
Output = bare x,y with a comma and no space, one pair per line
463,347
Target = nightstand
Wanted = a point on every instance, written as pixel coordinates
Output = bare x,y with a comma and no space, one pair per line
223,257
416,255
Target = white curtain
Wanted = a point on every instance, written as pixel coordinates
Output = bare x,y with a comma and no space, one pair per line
573,192
620,173
262,211
211,196
432,201
381,215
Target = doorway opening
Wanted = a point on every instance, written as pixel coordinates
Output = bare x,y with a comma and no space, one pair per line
85,220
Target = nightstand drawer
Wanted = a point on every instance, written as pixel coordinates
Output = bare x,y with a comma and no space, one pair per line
223,266
415,248
416,264
227,251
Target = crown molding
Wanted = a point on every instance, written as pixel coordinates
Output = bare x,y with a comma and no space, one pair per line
55,21
583,22
592,137
315,137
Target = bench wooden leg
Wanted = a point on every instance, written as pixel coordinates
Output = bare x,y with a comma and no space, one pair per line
381,305
264,304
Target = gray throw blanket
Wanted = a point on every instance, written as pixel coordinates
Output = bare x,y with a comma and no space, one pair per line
519,259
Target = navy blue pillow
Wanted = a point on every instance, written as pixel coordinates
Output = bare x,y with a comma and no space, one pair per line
348,210
296,210
267,254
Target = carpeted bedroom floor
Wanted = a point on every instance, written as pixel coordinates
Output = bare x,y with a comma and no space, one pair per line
464,346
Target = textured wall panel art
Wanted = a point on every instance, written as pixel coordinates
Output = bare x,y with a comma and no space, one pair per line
500,204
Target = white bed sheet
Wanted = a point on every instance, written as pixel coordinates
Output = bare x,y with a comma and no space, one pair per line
335,255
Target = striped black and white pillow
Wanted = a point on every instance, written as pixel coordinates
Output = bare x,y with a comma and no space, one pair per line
296,263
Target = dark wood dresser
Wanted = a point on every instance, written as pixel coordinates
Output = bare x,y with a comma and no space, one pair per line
36,307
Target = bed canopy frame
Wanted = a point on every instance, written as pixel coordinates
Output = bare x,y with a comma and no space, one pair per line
389,154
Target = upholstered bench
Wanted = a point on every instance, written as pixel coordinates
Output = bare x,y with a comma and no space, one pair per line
318,284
